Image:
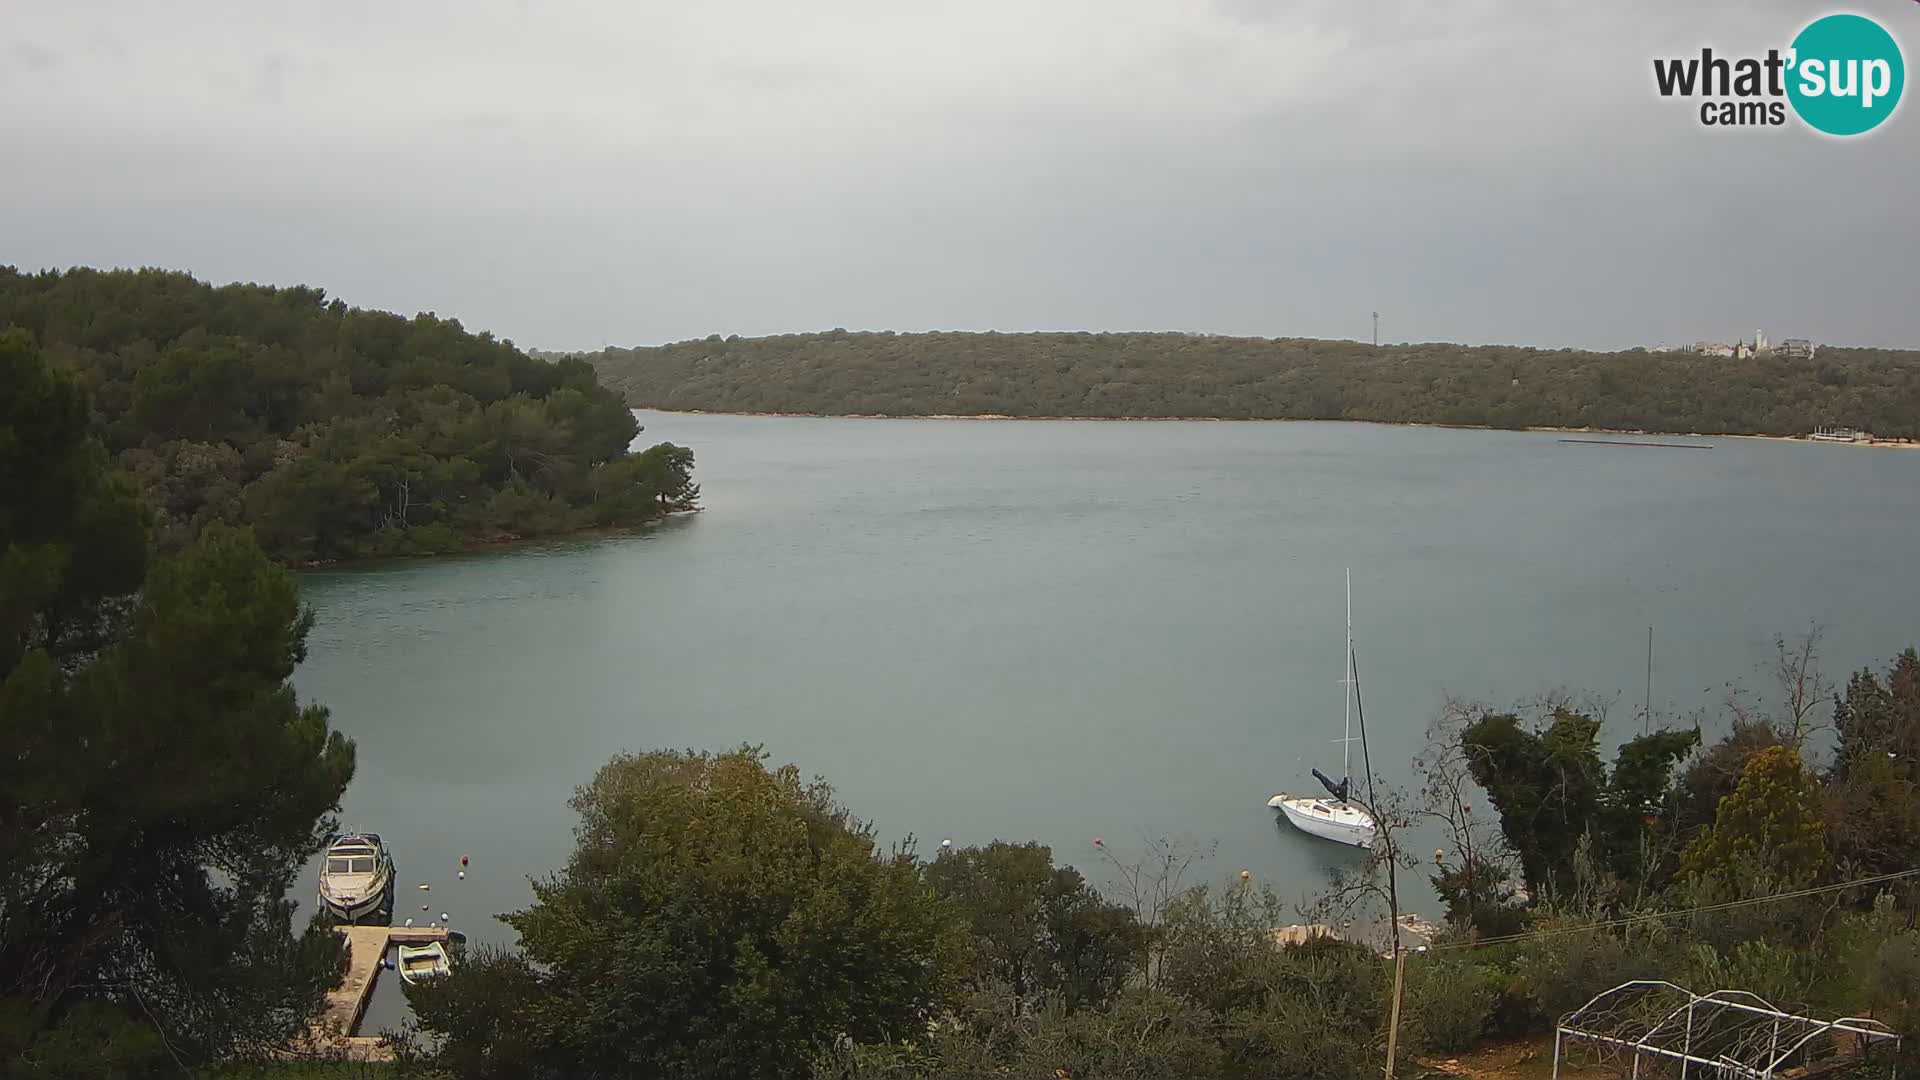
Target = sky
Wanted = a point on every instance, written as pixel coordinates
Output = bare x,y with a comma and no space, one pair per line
578,173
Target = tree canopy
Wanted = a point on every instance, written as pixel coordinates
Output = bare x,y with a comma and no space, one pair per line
333,431
1769,829
1873,786
1037,928
1186,375
160,785
716,918
1554,794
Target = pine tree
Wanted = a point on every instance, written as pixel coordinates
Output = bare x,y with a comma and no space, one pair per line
159,783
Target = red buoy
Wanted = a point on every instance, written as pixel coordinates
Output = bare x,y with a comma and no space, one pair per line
463,860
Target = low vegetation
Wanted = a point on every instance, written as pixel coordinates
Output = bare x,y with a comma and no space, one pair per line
1182,375
333,432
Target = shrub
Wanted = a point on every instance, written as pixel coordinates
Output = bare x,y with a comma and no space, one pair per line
1448,1002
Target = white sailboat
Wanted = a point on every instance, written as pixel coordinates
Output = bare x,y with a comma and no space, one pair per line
1334,818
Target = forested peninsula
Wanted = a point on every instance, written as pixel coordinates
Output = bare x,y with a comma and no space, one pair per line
1143,375
336,432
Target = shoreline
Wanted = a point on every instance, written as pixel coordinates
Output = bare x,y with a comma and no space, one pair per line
1891,444
493,544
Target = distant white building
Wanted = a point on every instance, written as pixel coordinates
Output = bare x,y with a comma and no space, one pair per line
1759,346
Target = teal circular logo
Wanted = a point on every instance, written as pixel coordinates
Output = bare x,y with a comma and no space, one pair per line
1846,74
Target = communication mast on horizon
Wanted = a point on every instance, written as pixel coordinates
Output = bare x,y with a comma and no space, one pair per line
1376,329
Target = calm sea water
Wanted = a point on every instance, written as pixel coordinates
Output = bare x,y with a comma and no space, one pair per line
1059,630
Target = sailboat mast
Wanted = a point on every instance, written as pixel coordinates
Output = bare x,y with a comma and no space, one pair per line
1346,678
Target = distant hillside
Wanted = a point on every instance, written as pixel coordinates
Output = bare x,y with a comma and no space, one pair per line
1171,375
336,432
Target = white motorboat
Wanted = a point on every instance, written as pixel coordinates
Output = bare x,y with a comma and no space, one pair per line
427,961
1334,818
356,880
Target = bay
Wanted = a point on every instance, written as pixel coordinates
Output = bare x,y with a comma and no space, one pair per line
1058,630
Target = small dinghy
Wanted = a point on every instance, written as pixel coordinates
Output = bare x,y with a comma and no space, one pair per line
427,961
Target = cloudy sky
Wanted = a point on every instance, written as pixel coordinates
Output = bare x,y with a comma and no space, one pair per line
575,173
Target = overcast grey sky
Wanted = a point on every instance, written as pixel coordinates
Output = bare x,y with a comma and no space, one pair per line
574,173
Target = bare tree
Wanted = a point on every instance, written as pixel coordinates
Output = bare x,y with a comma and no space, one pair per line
1367,895
1802,687
1153,884
1481,860
1542,708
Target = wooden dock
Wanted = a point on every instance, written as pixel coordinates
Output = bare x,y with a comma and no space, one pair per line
347,1003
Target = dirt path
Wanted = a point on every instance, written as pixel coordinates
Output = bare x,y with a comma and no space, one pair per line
1530,1059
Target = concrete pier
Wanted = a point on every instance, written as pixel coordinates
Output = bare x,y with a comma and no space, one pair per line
346,1003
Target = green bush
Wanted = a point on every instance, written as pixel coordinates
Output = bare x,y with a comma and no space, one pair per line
1779,973
1448,1002
1565,967
94,1041
1138,1036
1319,1013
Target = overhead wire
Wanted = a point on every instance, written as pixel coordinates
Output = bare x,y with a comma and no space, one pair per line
1608,924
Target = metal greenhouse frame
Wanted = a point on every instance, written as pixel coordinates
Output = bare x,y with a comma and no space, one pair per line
1655,1028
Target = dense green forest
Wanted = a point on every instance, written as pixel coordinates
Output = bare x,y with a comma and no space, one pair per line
1178,375
332,431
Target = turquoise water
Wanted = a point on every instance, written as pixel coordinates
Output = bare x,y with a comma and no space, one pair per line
1062,630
